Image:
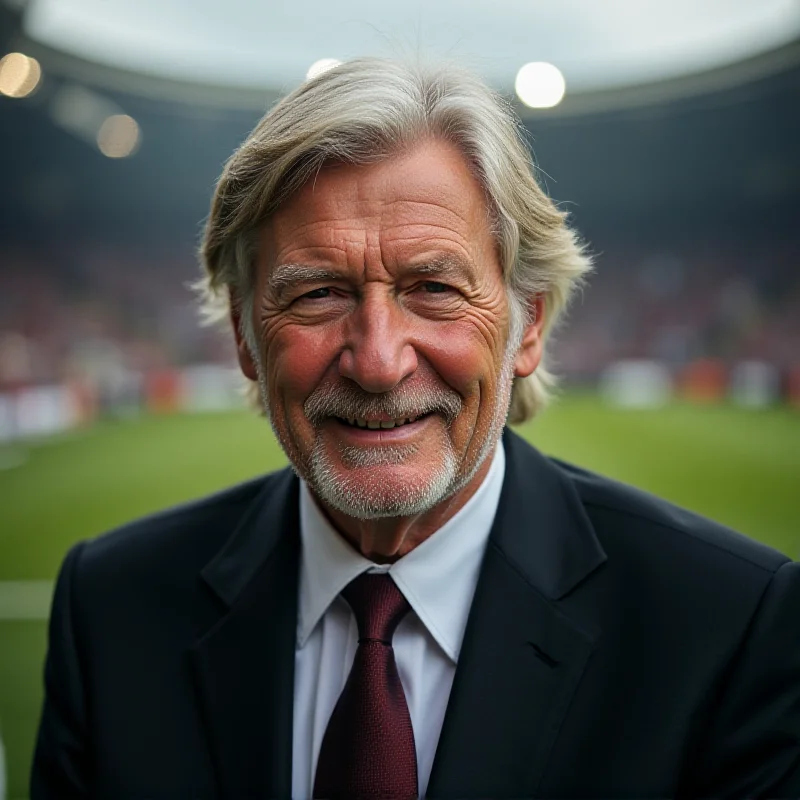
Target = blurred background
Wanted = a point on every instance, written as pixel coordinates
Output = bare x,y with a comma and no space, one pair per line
669,131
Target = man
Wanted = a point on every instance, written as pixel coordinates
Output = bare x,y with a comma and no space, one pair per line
425,605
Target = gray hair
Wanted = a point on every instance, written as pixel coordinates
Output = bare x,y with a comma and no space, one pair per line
369,109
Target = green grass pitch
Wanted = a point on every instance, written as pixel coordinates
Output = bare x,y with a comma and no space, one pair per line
739,467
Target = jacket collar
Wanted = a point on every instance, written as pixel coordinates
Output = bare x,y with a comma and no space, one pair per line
243,667
542,528
270,517
524,651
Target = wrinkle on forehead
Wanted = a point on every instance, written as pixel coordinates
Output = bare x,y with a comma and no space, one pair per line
330,226
425,200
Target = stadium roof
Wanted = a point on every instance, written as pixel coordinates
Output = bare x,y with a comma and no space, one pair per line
597,44
716,148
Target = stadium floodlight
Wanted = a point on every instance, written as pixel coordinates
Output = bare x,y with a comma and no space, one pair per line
19,75
118,136
323,65
540,85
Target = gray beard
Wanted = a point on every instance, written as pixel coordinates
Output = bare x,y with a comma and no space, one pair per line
367,497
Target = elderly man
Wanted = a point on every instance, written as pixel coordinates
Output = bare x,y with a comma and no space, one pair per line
424,605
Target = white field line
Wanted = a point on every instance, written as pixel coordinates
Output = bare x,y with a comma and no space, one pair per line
25,599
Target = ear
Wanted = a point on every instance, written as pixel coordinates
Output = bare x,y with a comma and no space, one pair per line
246,361
530,350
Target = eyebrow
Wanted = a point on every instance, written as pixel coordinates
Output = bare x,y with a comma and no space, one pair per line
284,276
447,266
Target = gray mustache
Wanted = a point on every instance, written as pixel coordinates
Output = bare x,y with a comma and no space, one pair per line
342,400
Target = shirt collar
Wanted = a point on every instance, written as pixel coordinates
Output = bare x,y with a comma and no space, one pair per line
438,577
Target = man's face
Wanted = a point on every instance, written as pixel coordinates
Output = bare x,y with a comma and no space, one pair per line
382,318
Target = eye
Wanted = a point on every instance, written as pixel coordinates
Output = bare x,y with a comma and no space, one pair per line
434,287
316,294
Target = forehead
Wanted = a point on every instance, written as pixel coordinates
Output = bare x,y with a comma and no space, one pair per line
427,191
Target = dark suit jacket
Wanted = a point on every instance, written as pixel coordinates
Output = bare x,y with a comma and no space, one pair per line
616,646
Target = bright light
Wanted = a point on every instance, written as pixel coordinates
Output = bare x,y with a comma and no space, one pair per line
19,75
118,136
540,85
323,65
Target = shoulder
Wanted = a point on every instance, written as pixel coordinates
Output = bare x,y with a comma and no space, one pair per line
623,514
180,539
641,534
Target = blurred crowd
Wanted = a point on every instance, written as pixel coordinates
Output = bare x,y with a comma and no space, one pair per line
726,304
90,312
97,313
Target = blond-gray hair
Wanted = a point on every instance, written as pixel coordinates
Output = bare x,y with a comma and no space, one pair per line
366,110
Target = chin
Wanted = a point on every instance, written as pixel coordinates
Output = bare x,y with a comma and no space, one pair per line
373,484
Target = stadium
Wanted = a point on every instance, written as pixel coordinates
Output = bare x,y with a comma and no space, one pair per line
677,159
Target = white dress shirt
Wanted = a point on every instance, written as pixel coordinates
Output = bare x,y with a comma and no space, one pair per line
438,578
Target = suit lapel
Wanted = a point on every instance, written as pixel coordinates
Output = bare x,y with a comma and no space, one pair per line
244,666
522,655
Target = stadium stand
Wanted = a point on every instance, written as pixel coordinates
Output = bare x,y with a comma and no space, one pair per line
95,315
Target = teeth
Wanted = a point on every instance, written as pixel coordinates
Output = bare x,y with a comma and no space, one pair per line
374,424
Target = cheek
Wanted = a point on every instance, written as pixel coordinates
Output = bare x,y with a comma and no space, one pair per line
298,360
464,359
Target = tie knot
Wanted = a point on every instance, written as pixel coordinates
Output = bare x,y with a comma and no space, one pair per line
378,606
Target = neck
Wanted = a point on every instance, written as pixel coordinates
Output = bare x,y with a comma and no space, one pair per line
387,539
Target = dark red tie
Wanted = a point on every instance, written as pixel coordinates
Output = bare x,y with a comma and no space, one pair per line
368,748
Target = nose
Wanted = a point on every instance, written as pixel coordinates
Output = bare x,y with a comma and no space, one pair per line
378,354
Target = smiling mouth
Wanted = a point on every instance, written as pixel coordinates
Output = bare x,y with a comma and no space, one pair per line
376,424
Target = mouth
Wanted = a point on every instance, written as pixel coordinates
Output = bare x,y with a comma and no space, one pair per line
379,424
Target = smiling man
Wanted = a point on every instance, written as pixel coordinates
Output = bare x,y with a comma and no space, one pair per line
424,605
384,342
